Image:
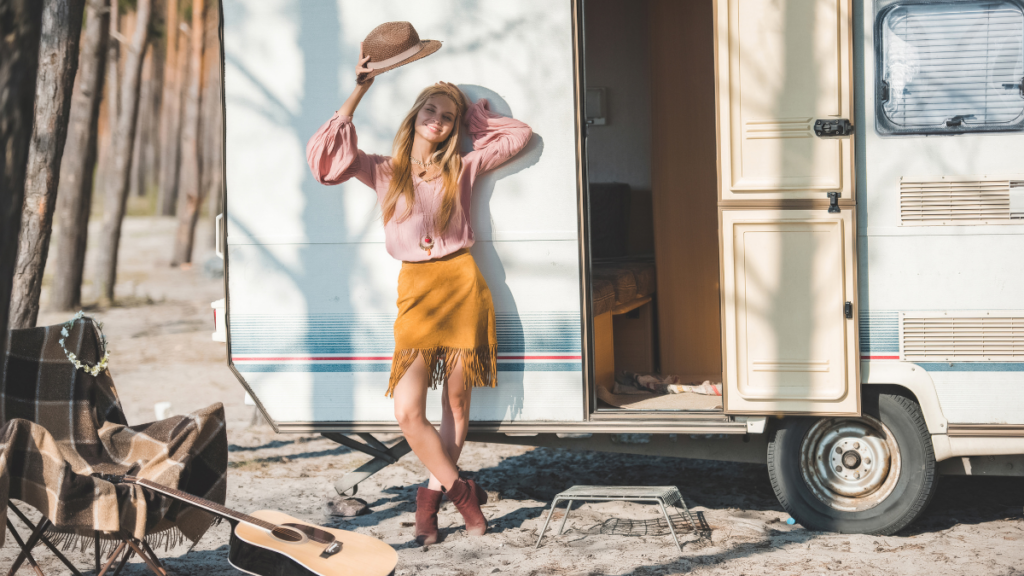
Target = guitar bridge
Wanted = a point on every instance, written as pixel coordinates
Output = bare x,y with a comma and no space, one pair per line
332,549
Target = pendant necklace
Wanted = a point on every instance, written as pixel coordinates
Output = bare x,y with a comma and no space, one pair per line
427,225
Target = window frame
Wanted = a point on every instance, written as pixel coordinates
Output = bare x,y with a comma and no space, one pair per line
886,127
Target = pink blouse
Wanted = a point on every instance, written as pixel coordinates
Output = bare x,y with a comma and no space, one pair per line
334,157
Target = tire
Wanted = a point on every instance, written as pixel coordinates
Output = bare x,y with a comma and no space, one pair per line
869,475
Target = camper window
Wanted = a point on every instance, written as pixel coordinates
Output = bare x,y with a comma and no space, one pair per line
949,67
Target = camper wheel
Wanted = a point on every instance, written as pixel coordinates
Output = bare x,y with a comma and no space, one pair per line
872,475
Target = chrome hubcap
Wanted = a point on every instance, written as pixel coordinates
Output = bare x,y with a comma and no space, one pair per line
850,464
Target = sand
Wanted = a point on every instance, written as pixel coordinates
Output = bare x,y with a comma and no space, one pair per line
162,352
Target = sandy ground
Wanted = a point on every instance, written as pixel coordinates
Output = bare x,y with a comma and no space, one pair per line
162,352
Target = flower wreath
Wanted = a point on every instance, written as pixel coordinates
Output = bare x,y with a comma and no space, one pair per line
95,368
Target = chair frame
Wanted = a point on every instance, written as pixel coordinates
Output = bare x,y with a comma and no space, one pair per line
127,547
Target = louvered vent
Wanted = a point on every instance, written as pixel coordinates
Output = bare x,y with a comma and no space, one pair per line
947,338
961,202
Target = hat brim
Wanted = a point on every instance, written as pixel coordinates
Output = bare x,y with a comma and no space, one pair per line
427,47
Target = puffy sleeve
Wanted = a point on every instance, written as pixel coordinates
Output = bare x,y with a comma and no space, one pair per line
496,138
334,156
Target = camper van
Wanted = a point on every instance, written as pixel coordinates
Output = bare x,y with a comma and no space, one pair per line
818,204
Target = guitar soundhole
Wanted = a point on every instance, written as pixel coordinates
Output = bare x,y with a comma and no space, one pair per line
313,533
287,534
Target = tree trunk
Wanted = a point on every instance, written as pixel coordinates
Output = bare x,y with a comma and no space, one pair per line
20,23
170,115
137,181
74,192
55,80
112,92
213,115
116,186
190,195
113,69
151,146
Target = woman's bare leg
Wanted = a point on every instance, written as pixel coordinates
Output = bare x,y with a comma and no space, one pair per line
410,411
454,418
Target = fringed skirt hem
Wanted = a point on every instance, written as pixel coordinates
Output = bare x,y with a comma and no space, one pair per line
479,365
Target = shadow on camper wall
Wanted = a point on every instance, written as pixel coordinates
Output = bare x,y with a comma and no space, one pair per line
511,336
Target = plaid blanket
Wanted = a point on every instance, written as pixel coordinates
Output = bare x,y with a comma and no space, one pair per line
59,425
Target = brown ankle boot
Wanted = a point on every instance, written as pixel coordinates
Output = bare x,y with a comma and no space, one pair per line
427,503
481,494
465,494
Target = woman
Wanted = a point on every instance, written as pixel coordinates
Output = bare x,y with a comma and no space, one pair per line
444,334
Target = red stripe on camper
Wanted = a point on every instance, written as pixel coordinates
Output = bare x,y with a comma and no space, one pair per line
879,357
350,358
305,358
503,357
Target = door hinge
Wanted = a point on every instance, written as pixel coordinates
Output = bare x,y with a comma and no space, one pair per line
833,202
832,128
848,309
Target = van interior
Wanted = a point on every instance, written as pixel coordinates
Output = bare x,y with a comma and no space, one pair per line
652,199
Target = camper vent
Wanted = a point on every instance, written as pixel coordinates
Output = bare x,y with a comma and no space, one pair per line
945,337
960,202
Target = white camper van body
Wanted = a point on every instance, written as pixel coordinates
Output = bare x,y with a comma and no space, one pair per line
908,283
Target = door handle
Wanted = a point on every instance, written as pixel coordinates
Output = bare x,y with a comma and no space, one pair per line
216,235
832,128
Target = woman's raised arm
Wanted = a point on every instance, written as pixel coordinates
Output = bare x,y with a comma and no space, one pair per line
333,153
496,138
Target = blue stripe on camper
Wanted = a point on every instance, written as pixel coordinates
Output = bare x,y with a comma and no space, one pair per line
540,332
376,367
972,366
879,333
530,342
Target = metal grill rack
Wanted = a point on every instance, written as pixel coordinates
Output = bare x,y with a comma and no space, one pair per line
663,496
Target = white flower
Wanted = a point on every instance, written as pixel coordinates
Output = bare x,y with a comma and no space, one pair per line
61,341
63,332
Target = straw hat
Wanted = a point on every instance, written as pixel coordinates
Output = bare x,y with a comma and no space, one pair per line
394,44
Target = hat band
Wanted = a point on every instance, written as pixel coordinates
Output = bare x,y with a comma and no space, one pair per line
396,59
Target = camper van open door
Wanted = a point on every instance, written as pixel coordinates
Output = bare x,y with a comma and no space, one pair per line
787,207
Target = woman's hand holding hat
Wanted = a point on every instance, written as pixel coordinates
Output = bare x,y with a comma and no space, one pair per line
362,71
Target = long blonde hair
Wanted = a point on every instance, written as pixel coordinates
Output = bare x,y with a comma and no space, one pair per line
446,155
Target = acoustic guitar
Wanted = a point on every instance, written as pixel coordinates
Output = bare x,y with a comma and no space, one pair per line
271,543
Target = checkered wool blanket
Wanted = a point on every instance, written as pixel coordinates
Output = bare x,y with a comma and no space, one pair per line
59,425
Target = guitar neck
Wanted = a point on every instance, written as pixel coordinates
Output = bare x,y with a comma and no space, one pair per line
203,503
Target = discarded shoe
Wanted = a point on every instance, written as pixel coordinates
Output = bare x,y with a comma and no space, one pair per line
347,507
467,497
427,504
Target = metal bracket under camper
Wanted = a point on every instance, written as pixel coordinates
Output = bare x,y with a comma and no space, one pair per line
833,202
383,456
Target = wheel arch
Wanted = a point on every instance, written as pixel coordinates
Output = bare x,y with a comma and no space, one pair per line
912,380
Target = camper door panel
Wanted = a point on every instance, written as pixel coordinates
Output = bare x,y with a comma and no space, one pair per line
311,294
781,66
789,345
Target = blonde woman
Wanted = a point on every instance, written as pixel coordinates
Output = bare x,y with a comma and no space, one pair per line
444,334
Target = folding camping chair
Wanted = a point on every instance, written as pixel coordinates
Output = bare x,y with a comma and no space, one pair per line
39,385
127,547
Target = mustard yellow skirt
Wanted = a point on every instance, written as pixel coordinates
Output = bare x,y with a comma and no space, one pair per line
445,314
